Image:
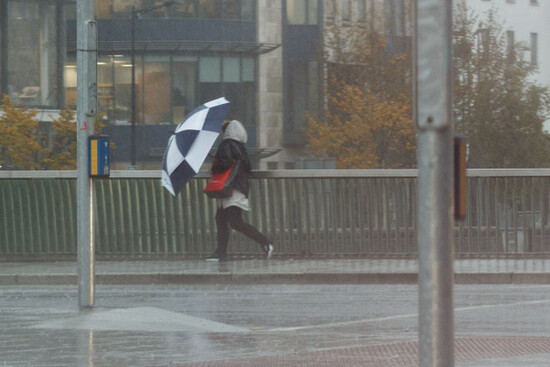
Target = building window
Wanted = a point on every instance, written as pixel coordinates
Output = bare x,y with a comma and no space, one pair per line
210,78
302,11
534,2
483,40
297,99
312,11
290,165
243,94
184,9
534,49
154,91
329,8
32,53
105,9
231,9
211,9
123,8
69,78
233,78
184,75
248,10
114,88
362,10
302,98
180,9
346,10
166,87
226,9
394,17
510,41
102,9
121,78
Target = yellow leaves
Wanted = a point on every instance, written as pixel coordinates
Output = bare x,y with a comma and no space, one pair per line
62,153
367,122
24,146
18,136
362,130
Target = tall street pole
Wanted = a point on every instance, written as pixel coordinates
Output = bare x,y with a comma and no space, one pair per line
86,69
433,115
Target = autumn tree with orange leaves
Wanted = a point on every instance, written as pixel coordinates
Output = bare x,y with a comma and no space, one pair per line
24,146
372,133
367,121
19,138
62,153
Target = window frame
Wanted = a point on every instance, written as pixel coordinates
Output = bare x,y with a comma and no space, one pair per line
533,47
310,14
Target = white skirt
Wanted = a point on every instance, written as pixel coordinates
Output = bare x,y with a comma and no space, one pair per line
236,199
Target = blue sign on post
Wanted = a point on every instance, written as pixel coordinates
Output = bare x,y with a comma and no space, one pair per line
98,156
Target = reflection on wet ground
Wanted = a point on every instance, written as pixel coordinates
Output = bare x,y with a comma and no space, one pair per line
176,324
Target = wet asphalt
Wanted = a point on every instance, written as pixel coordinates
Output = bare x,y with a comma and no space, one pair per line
265,325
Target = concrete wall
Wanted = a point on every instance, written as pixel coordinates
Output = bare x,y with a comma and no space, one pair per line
270,78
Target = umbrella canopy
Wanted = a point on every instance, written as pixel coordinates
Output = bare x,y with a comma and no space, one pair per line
188,147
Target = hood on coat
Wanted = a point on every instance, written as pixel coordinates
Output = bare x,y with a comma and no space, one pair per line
236,131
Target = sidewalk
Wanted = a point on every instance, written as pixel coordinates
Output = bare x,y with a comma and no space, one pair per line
238,314
274,271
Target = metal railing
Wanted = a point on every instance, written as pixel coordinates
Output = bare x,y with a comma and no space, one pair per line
319,212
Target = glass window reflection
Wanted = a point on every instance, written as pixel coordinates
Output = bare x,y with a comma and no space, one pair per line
32,53
210,9
302,11
181,9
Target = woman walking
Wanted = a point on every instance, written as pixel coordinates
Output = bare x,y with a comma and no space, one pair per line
229,213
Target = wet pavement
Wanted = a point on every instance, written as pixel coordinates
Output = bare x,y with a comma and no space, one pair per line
232,321
278,270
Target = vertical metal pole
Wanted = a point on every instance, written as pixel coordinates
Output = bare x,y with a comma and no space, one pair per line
86,63
133,103
433,113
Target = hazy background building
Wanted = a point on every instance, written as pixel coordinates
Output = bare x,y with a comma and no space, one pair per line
264,56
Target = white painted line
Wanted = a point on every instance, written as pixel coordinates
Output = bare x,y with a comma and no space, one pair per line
404,316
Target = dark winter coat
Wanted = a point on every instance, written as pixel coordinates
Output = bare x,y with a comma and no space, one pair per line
232,149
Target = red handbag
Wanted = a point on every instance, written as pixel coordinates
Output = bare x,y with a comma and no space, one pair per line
221,184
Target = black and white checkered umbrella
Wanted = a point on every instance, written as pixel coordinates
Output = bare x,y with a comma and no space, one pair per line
188,147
